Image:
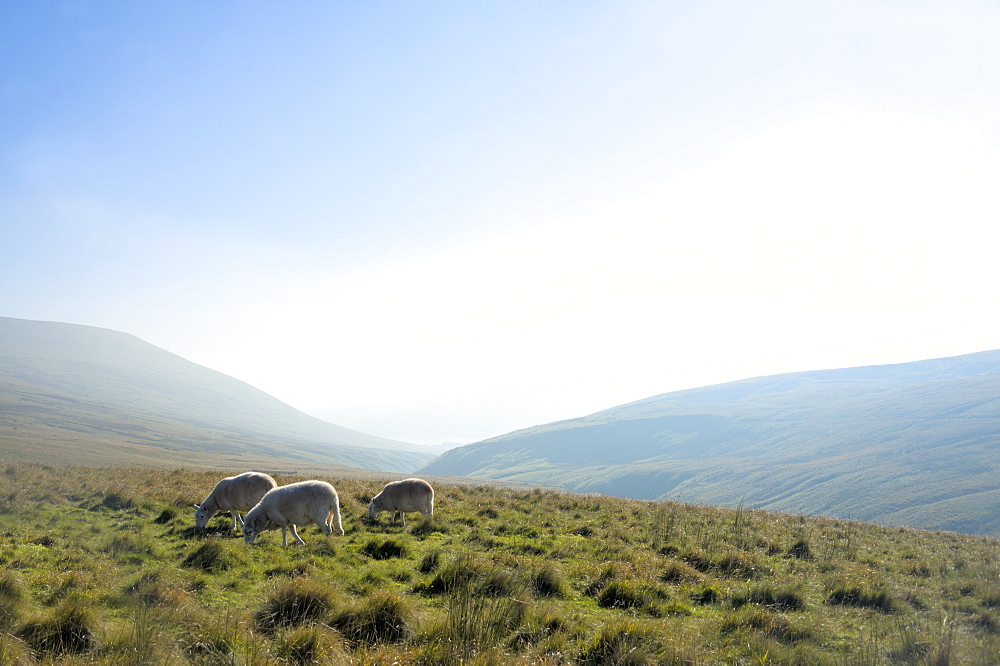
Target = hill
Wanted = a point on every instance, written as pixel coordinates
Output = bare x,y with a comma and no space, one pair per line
79,394
109,569
915,444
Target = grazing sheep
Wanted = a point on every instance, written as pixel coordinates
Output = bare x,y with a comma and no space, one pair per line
402,496
295,504
233,494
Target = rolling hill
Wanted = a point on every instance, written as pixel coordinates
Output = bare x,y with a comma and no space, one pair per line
79,394
915,444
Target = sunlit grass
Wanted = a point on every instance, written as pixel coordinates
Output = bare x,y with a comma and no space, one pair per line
99,567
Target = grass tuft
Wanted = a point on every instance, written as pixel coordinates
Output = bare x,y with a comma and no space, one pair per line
115,502
381,618
857,597
801,550
768,624
679,572
310,645
548,582
291,604
209,556
621,594
783,599
430,563
621,643
67,630
11,596
385,550
166,516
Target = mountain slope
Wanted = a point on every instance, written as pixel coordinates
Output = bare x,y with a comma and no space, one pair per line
73,393
914,443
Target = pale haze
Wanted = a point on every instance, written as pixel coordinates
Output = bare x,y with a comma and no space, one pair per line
444,221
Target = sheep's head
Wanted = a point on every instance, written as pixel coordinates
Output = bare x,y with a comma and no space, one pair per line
372,510
202,515
250,532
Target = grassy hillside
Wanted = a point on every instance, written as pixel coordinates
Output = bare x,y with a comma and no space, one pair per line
77,394
913,444
108,568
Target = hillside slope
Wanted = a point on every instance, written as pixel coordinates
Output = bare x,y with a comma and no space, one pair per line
73,393
913,444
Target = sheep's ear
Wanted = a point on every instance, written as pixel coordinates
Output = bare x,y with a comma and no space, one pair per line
197,506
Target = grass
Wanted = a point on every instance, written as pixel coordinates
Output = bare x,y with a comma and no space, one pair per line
107,568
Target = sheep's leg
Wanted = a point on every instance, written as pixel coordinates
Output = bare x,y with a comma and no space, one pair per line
237,520
284,536
402,517
296,534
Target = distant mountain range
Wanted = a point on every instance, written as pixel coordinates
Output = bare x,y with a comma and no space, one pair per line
84,395
914,444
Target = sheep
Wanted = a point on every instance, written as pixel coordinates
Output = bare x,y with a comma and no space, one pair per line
295,504
402,496
233,494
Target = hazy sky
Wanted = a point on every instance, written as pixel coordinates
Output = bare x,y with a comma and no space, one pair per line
442,221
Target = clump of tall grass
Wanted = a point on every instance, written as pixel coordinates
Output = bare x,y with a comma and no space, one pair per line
783,599
622,594
114,501
313,644
430,563
801,550
428,526
165,516
11,595
68,629
381,618
540,623
153,589
858,597
141,641
663,524
209,556
677,571
459,572
477,623
484,604
920,644
384,550
131,548
706,595
213,639
548,582
766,623
624,643
293,603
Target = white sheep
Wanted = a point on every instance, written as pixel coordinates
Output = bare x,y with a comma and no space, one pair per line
233,494
295,504
402,496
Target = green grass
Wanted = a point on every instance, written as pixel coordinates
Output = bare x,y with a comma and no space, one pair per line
106,567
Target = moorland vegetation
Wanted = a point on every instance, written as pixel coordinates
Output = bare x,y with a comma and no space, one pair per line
106,566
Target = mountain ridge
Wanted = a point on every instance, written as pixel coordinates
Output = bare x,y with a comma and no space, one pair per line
109,394
912,444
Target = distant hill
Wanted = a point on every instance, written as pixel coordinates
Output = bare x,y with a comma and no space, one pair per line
914,444
79,394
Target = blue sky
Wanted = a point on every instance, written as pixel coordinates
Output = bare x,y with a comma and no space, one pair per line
443,221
